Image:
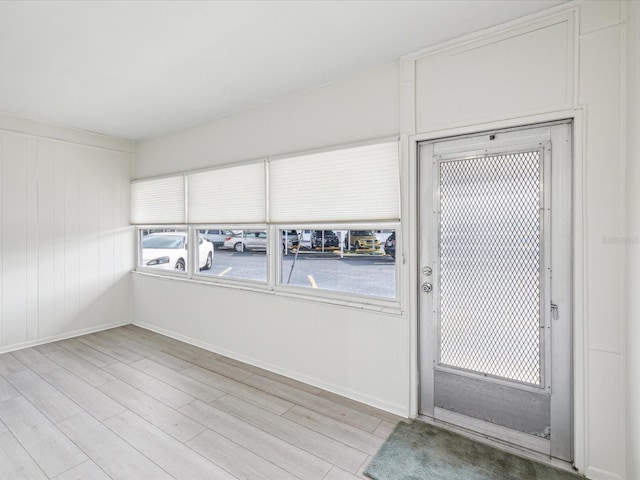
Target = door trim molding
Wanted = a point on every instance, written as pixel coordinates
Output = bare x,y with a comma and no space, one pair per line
410,140
575,273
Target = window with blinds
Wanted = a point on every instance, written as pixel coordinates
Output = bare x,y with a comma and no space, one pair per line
158,201
227,195
352,184
340,208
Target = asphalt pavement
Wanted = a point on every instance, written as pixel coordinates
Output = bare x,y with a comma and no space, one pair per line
360,274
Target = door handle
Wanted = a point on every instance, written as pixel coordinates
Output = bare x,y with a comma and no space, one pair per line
427,287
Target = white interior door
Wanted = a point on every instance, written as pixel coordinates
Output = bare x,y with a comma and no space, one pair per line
495,306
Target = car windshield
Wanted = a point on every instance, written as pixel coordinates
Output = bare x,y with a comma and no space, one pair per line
163,241
362,233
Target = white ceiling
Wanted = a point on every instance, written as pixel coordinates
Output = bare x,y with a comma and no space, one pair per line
138,69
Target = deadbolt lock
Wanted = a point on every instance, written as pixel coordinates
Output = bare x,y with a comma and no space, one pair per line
426,271
427,287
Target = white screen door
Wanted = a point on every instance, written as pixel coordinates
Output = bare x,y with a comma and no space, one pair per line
495,302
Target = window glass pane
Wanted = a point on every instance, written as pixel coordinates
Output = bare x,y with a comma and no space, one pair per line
349,261
238,254
164,249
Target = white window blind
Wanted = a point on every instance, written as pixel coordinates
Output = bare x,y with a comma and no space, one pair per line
228,195
352,184
158,201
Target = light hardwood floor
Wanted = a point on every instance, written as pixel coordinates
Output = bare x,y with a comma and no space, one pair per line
128,403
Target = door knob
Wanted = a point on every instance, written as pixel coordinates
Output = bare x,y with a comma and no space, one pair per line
427,287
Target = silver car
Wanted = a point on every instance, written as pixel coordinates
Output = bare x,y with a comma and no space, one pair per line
216,237
247,240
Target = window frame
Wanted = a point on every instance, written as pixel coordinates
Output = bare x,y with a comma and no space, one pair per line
272,284
274,265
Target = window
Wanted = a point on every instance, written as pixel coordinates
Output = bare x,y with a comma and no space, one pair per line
238,254
358,184
324,221
342,260
342,189
234,194
164,249
158,201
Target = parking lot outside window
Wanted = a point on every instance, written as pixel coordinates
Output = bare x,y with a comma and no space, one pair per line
354,261
238,254
164,250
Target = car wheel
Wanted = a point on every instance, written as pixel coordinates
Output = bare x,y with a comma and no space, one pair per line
207,266
239,247
180,265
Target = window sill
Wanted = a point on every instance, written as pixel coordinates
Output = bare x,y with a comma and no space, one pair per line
390,307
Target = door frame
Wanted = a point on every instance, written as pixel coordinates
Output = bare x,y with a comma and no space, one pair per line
411,146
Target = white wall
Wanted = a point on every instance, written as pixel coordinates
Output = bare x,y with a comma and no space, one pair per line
65,244
601,61
557,67
347,350
372,356
633,239
358,108
351,351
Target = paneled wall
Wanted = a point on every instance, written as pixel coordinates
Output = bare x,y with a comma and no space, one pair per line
632,239
65,244
600,82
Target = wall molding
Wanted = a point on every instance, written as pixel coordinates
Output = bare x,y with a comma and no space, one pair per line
24,126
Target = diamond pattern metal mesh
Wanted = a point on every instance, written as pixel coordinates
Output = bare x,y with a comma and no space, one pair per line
490,283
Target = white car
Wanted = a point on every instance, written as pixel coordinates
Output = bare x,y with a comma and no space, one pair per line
168,251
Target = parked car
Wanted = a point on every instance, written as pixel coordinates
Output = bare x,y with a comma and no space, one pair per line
361,240
324,238
290,239
216,237
168,251
247,240
390,245
304,239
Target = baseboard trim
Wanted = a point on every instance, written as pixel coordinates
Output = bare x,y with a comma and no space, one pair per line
61,336
600,474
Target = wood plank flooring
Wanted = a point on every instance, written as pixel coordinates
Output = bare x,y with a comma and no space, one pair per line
128,403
